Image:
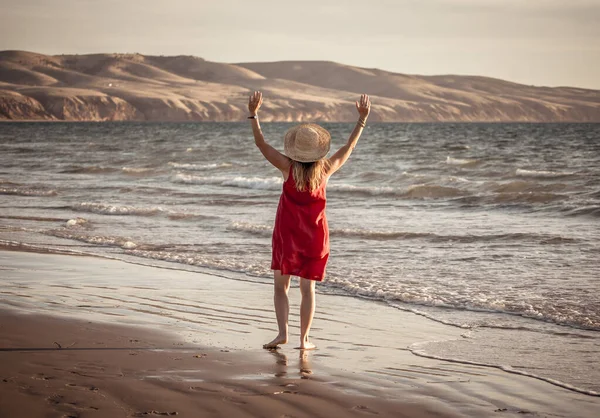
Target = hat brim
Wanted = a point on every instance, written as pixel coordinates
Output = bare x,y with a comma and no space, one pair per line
313,155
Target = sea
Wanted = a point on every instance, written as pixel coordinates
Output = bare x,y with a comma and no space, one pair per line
493,228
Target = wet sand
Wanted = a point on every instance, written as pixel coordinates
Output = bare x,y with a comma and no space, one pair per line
52,367
91,337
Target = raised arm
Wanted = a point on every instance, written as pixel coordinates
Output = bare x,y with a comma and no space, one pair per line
338,159
271,154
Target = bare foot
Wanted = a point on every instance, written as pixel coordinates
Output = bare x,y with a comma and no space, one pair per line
307,345
276,342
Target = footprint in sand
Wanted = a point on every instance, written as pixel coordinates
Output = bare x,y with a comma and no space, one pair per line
75,386
234,401
41,376
285,391
54,399
362,408
200,389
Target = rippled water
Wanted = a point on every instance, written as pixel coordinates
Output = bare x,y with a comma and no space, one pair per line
474,225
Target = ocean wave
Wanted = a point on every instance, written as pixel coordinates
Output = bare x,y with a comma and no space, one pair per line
232,264
417,191
594,194
263,230
267,231
511,199
186,216
431,191
417,296
361,190
527,197
199,167
77,222
593,210
371,176
27,191
258,183
457,147
377,235
542,174
516,186
252,229
106,209
43,249
100,240
138,171
90,169
462,162
34,218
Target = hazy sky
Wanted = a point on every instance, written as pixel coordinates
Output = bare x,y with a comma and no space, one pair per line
541,42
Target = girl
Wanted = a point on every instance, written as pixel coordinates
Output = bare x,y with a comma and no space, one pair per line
301,236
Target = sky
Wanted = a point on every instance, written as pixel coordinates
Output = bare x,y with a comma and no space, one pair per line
537,42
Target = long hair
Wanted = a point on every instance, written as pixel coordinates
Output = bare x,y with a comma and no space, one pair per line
309,175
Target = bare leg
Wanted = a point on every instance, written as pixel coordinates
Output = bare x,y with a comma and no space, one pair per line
307,311
282,308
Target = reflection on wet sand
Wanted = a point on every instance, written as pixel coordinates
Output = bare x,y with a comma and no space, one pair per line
281,364
305,364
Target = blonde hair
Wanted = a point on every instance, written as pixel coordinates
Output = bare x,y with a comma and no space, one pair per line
309,175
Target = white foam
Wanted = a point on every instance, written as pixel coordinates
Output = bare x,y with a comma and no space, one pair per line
129,245
76,222
136,170
543,174
199,167
101,240
214,262
106,209
417,295
460,161
259,183
261,230
23,191
350,188
418,191
375,235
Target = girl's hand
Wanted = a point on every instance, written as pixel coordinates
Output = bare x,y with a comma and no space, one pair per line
254,103
364,106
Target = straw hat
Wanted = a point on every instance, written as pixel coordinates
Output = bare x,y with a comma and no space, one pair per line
306,143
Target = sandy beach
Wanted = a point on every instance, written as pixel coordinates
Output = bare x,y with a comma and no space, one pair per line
90,337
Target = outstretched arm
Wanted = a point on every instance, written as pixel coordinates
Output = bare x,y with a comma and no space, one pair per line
271,154
338,159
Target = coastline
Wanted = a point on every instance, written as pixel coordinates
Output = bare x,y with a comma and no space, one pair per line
362,350
114,86
349,121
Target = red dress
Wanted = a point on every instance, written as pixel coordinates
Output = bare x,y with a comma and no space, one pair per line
301,235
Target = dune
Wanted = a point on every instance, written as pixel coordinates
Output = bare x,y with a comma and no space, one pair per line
15,73
100,87
198,69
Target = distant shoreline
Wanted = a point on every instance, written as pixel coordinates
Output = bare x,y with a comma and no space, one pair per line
135,87
291,123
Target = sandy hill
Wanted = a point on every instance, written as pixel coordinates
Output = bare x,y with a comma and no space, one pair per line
181,88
